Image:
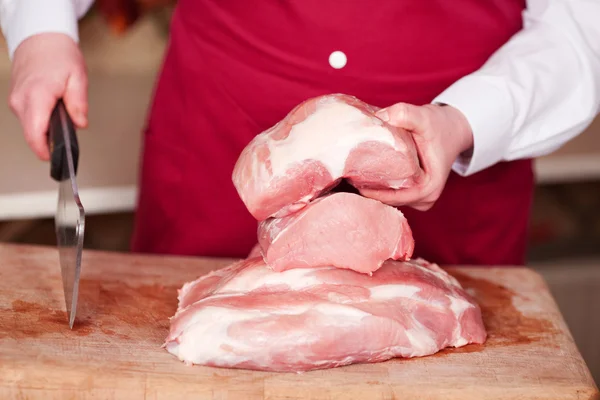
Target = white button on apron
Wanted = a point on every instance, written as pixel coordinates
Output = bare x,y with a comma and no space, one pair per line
337,59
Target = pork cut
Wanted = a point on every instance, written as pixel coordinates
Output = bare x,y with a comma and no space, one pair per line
318,143
248,316
344,230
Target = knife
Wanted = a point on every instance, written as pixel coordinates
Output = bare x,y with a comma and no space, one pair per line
69,220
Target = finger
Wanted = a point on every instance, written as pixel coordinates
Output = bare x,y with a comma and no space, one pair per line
403,115
393,197
416,120
37,108
422,206
75,98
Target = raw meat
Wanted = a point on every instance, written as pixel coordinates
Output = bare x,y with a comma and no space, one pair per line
255,251
344,230
318,143
249,316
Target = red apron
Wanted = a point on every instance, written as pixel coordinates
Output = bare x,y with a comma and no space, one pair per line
234,68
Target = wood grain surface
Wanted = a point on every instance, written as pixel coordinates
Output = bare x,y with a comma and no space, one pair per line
114,350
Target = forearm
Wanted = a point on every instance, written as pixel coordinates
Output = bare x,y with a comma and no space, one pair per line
541,89
21,19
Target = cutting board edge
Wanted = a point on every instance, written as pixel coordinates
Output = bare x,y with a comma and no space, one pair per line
156,384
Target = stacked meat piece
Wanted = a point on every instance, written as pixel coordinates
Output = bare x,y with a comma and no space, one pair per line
333,283
344,230
285,174
320,142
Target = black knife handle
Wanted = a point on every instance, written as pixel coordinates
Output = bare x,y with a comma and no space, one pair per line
59,168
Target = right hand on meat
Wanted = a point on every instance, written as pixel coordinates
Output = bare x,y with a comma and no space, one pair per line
441,134
46,67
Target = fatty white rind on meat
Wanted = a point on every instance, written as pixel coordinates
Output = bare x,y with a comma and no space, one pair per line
201,334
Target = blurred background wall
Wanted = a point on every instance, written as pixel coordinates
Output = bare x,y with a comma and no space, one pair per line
565,226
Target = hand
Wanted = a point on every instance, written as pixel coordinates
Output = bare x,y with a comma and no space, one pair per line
46,67
441,134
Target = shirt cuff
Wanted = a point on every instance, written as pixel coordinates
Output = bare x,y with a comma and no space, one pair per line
487,106
26,18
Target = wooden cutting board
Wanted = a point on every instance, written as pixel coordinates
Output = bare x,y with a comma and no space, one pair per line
114,350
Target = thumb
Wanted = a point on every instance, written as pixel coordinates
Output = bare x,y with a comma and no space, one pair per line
393,197
402,115
75,98
412,118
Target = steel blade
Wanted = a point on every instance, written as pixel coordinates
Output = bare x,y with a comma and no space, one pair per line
70,225
70,215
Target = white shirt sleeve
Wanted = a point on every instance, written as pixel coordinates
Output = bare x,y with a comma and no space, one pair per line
539,90
21,19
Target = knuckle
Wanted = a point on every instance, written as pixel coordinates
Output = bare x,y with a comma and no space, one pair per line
434,196
418,207
80,73
15,101
425,206
401,110
18,97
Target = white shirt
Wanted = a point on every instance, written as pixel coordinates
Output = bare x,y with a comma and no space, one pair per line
539,90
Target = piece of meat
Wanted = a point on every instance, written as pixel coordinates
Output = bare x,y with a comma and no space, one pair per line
318,143
344,230
255,251
249,316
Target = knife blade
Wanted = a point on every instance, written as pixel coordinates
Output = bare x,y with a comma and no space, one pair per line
69,220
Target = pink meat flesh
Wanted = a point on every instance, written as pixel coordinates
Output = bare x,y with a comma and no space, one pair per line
344,230
249,316
255,251
318,143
